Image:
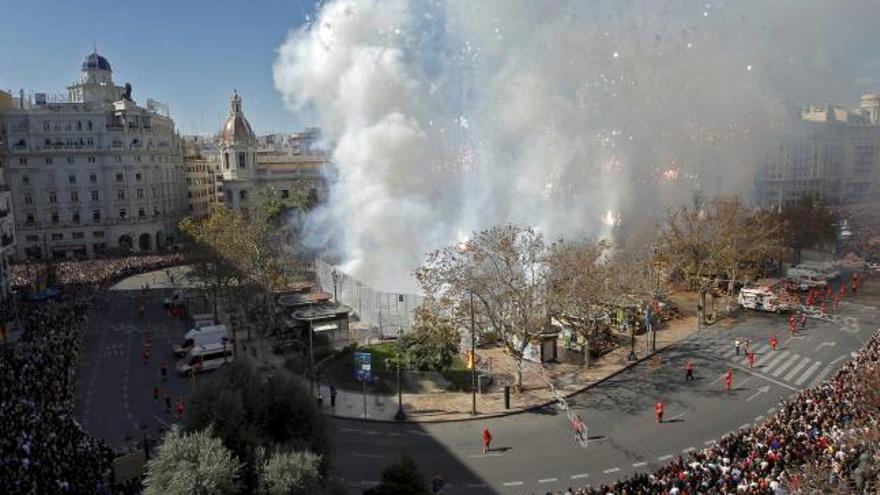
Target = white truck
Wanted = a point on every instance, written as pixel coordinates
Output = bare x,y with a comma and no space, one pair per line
806,279
213,334
766,295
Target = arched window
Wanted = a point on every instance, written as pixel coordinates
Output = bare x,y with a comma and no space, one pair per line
226,161
242,160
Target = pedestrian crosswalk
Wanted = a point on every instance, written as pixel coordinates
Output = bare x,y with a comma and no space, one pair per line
780,364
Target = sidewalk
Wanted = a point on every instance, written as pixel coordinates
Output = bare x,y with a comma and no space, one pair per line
456,406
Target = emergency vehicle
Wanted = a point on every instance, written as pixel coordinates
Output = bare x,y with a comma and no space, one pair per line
766,295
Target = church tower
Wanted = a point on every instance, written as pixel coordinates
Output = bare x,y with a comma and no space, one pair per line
237,144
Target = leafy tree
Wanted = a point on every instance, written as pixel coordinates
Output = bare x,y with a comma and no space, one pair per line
504,268
807,222
433,341
291,473
401,477
195,463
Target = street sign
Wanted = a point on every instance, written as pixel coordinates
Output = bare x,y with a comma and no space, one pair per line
362,367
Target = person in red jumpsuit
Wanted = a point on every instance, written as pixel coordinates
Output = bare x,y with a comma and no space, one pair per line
658,411
487,439
774,341
728,380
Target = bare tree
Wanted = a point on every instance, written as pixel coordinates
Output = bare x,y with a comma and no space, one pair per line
505,268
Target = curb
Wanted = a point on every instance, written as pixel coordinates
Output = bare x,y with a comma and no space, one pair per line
524,409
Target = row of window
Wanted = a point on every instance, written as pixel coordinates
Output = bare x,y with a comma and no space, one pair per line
75,218
93,178
97,234
23,160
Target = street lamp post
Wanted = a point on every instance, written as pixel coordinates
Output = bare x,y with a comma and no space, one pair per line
399,415
311,361
473,360
335,276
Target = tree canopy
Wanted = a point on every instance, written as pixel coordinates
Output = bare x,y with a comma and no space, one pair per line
192,464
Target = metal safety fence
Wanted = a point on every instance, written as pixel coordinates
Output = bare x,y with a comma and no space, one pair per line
384,311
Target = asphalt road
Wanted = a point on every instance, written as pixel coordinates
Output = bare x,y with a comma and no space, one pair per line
535,452
114,385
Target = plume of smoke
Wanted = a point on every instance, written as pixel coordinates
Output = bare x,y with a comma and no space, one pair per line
448,116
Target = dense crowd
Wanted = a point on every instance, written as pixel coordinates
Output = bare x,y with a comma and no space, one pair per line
824,440
43,450
90,272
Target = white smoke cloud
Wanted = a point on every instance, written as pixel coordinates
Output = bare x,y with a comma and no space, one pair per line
450,116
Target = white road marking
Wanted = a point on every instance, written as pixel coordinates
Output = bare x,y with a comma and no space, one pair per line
838,359
765,357
761,390
663,458
778,371
807,373
639,464
782,355
548,480
771,380
758,419
821,376
709,442
824,344
513,483
797,368
771,410
580,476
744,426
488,454
689,449
611,470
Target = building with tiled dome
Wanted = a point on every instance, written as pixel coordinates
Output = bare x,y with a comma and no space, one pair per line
247,165
91,171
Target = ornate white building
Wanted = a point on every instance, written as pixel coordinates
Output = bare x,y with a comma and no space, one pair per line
246,167
92,171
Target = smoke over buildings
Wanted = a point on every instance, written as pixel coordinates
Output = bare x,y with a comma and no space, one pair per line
446,117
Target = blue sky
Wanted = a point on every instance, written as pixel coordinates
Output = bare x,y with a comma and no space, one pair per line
189,54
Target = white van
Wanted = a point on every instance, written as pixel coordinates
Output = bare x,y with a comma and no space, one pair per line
824,268
204,358
806,280
198,336
765,295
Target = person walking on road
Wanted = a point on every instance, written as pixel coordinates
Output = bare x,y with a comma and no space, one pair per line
487,439
804,319
332,395
689,371
167,404
774,341
658,411
751,357
746,344
728,380
578,425
736,344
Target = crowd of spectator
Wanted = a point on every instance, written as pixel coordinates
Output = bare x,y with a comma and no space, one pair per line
43,450
89,272
823,440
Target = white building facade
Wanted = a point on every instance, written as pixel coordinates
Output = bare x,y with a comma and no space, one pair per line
7,226
94,172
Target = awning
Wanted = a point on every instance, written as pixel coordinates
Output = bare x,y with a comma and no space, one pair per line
329,327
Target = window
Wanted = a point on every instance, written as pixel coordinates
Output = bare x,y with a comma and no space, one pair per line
71,178
70,159
30,219
89,125
78,235
74,196
28,199
242,195
22,161
140,193
75,217
119,177
25,180
54,218
137,176
33,238
57,237
242,160
98,234
155,211
93,178
123,213
118,158
53,197
142,213
285,194
96,215
48,161
94,195
225,161
91,159
120,194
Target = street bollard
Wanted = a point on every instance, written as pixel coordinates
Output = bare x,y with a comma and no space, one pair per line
507,397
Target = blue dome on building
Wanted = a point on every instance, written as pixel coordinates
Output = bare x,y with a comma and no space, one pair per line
95,61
